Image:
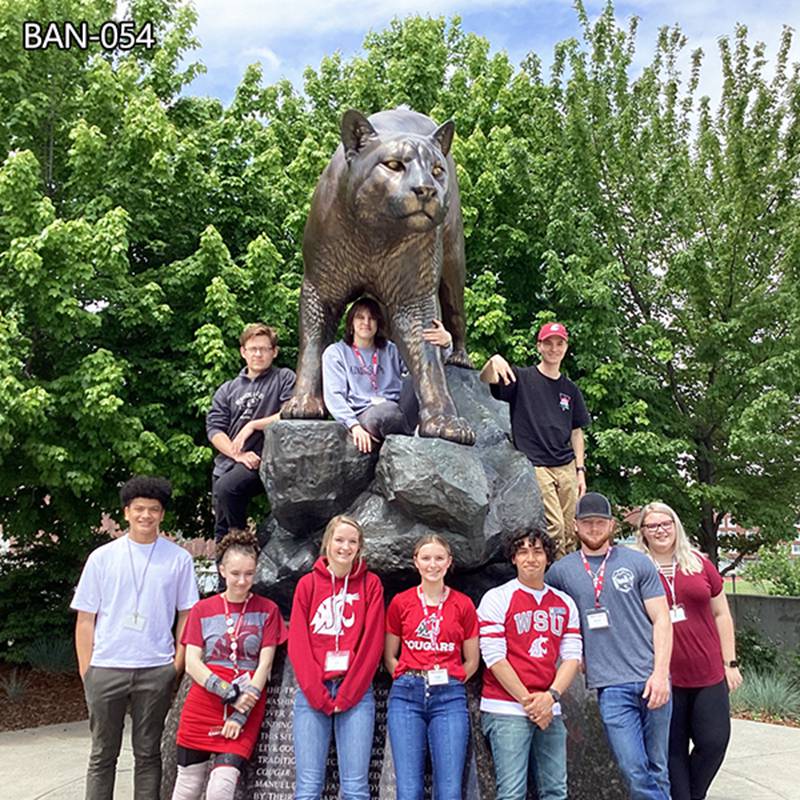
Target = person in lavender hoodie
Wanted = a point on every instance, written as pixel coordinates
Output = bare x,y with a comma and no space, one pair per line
363,377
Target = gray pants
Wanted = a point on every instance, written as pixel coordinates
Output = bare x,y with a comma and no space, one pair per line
389,417
108,693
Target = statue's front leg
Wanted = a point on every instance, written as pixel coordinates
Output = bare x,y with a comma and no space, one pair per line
318,321
438,417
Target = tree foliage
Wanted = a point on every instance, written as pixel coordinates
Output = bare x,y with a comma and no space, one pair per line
141,227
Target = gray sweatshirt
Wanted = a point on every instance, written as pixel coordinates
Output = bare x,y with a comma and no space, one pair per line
238,401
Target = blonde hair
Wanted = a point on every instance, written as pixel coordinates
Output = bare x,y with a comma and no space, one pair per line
688,560
342,519
432,538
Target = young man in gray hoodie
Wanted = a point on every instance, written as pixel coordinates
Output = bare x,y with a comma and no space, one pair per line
240,411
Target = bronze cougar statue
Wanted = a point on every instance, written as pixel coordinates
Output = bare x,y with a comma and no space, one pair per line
385,220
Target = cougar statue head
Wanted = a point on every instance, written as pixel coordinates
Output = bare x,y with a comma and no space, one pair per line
396,180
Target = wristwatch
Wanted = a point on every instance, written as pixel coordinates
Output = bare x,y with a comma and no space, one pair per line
580,469
732,664
555,694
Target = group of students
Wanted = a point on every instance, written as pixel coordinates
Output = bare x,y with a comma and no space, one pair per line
607,607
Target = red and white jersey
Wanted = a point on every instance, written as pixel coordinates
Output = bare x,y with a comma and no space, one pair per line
532,628
435,638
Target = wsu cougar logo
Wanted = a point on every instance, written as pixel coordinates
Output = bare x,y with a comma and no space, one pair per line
332,610
428,628
538,648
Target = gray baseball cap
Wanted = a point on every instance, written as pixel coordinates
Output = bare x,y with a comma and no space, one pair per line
593,504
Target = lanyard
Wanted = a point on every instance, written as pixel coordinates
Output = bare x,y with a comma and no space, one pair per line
670,581
233,630
597,579
373,376
338,610
435,619
137,587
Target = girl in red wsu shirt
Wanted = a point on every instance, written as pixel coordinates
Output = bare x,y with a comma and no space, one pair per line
335,642
703,667
230,643
431,650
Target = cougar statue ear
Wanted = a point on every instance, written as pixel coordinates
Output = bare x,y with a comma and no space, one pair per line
443,136
356,132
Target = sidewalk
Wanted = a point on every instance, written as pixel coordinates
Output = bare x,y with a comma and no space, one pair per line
48,763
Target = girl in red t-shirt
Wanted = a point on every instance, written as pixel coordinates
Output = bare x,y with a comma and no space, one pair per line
431,649
230,643
703,667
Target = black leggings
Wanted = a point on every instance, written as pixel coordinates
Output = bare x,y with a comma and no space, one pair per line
701,716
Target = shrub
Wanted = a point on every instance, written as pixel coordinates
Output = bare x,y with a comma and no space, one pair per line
768,694
53,655
755,652
15,685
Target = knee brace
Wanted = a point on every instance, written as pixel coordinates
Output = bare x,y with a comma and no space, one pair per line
190,780
222,783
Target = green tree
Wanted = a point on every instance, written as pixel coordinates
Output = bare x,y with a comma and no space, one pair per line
776,570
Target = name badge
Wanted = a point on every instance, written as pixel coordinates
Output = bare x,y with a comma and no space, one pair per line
677,614
337,660
376,401
597,618
134,621
437,677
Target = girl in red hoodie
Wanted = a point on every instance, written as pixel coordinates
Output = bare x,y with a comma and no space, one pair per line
335,644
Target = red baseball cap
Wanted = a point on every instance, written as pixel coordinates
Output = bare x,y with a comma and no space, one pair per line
552,329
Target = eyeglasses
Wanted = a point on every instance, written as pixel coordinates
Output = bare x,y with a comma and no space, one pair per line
652,527
257,351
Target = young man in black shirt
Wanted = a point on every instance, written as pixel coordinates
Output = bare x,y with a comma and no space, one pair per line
547,418
240,411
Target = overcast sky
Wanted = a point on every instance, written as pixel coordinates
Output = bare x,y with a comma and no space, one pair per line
287,36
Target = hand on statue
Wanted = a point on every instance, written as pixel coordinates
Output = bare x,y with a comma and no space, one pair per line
361,439
437,334
503,370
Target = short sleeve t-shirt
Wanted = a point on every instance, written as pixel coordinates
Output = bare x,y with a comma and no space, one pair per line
622,652
696,649
206,628
161,574
532,629
431,639
544,412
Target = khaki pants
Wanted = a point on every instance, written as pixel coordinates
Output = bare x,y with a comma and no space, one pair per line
108,693
559,488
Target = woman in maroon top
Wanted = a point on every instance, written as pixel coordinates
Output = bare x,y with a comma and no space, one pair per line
703,666
431,649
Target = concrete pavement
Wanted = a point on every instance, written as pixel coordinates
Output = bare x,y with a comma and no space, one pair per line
48,763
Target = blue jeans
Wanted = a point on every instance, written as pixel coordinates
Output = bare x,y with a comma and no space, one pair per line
422,717
517,744
352,730
639,738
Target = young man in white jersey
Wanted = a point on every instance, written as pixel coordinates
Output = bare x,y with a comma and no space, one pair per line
525,628
127,599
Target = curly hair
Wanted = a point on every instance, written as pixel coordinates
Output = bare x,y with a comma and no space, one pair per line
237,540
145,486
375,310
519,538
